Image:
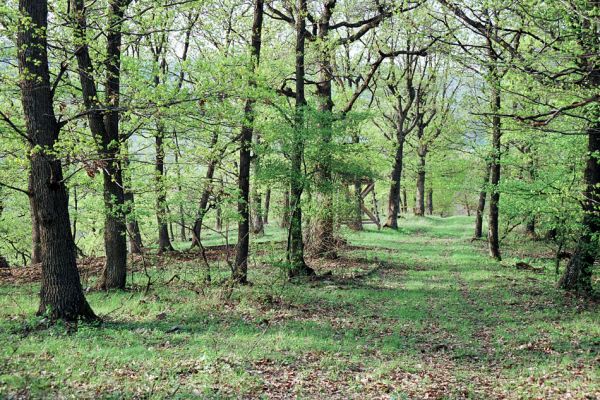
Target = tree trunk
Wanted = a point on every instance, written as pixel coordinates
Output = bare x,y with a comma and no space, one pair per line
430,201
420,204
267,206
286,212
61,293
578,275
36,250
105,127
133,228
208,189
404,201
295,245
164,242
481,204
322,240
240,270
396,175
493,238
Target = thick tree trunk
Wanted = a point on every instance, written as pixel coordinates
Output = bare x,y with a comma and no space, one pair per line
394,196
420,204
61,293
430,201
578,275
105,127
481,204
240,270
295,245
322,240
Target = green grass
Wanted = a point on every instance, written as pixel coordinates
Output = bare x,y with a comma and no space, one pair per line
408,314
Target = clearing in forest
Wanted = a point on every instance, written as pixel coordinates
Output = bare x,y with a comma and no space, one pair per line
421,312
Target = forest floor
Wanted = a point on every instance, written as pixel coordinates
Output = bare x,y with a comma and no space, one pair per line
413,314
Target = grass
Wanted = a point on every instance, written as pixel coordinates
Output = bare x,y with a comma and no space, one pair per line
421,312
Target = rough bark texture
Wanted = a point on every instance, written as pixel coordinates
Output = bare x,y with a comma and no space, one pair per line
61,294
295,245
105,127
322,240
240,270
36,248
481,204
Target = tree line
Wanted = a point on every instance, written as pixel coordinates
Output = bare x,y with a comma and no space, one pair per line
131,126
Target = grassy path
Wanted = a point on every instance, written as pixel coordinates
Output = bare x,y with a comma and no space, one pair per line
419,313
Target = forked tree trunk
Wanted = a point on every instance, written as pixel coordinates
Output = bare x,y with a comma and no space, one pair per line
105,127
240,269
61,294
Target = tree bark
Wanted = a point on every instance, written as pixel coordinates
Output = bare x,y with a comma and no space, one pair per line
295,245
493,238
430,201
36,249
105,127
285,214
164,242
267,206
420,205
481,204
322,240
61,293
394,196
240,270
404,201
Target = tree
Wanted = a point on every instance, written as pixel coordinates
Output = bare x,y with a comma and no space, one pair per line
104,124
61,294
240,271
